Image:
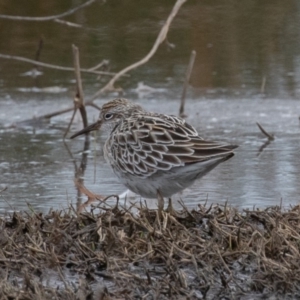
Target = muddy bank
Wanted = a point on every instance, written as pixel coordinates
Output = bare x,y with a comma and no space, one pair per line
213,252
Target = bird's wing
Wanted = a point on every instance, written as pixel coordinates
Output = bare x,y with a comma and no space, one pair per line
144,145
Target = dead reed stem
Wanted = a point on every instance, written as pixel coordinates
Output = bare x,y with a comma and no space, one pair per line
186,82
216,251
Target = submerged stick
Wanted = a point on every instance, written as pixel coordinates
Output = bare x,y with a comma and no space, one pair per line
39,49
267,143
186,81
268,135
263,85
4,189
37,58
71,121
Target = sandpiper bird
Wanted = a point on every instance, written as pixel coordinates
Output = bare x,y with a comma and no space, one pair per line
155,154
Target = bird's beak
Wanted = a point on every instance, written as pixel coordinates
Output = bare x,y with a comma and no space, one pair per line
88,129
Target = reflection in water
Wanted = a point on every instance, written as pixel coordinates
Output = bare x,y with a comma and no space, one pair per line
38,169
238,43
79,171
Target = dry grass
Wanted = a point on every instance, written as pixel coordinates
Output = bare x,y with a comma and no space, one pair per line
209,253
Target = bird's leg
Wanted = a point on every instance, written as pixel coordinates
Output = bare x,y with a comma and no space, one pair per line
160,203
170,208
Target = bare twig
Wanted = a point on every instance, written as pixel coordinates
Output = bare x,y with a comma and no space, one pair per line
63,111
56,113
71,24
109,86
5,188
50,66
92,104
48,18
71,121
186,82
268,135
79,98
263,85
104,62
160,38
39,50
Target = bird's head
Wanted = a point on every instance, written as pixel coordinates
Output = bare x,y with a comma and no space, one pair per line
112,112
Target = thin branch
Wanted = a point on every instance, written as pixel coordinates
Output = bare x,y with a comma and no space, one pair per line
263,85
268,135
70,123
70,24
160,38
109,86
79,99
50,66
56,113
186,82
92,104
104,62
5,188
48,18
63,111
39,49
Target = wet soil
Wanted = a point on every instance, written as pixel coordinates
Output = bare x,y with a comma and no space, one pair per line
212,252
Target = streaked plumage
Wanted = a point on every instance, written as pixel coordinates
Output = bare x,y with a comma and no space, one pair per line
151,152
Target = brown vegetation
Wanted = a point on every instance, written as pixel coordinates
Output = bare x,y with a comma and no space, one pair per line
208,253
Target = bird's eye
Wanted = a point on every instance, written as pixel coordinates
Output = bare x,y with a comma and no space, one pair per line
108,116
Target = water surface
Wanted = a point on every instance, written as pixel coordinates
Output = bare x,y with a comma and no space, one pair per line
38,168
246,71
